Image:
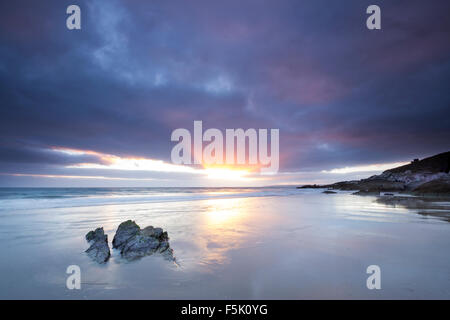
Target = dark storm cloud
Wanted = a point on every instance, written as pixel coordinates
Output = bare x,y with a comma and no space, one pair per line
20,153
340,94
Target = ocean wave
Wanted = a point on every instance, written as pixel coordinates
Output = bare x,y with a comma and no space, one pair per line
41,198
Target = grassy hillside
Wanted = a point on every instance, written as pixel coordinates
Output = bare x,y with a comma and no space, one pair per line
434,164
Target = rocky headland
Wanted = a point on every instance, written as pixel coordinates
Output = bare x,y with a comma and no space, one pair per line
426,177
422,185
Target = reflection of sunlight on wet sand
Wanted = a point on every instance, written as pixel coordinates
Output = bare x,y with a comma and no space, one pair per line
225,227
223,212
203,234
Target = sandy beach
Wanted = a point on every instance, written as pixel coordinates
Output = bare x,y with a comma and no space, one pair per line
252,243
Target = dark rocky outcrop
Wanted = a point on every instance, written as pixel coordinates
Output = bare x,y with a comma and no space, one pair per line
99,249
134,242
367,193
435,187
310,186
329,192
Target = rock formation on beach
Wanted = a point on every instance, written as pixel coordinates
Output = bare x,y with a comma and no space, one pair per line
429,176
134,242
99,249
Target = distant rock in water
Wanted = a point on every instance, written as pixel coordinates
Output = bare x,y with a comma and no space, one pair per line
310,186
367,193
99,249
429,176
329,192
134,242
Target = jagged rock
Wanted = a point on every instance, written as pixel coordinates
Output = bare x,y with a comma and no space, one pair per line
99,249
138,246
155,232
125,232
135,242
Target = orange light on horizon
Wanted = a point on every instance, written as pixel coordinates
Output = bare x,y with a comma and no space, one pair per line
229,172
131,163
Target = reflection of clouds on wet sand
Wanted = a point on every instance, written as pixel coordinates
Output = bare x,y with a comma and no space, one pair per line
425,206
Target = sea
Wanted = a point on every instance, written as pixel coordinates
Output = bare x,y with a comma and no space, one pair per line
228,243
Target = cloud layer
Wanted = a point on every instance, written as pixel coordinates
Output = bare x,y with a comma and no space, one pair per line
340,94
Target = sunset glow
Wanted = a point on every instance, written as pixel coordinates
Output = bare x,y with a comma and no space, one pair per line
113,162
226,174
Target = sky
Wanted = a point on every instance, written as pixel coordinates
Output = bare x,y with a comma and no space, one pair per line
97,106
